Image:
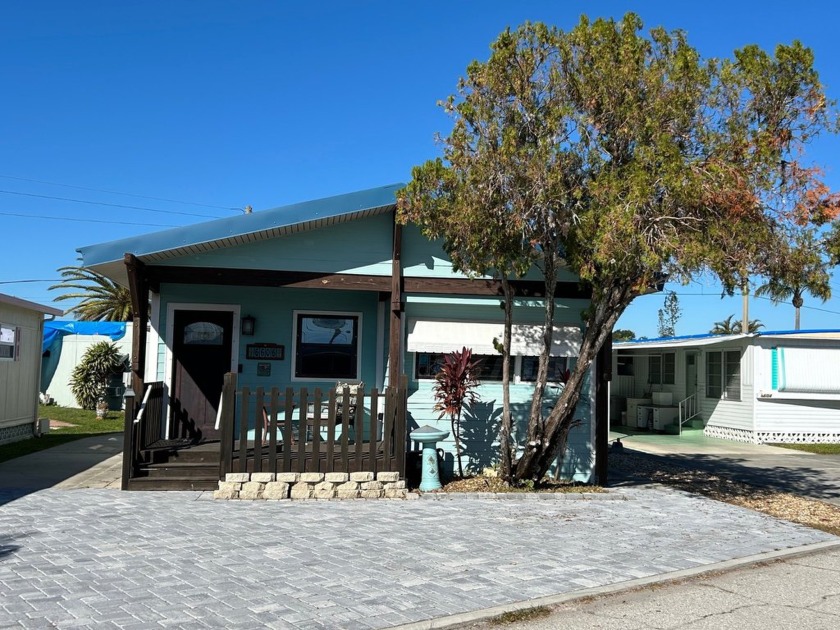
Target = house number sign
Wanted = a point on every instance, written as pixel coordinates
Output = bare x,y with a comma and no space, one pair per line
265,351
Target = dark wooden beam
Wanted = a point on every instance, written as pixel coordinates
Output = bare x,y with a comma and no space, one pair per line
138,284
267,278
603,375
395,333
355,282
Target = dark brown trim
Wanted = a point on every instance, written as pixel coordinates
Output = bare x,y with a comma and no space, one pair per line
603,375
355,282
138,284
395,336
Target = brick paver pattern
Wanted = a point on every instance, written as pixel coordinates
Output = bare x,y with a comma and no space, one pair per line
106,559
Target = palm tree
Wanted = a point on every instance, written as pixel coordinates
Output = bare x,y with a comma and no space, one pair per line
804,271
101,299
728,327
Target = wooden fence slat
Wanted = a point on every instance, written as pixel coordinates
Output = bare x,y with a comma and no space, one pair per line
331,421
228,414
272,431
302,412
400,437
374,426
259,405
316,430
243,430
359,425
345,438
387,426
288,435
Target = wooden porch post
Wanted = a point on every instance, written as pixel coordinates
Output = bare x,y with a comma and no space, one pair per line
603,375
138,284
395,345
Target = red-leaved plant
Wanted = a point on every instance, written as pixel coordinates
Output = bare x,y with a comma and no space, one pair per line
454,386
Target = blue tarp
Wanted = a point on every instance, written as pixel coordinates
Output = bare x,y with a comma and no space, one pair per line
55,329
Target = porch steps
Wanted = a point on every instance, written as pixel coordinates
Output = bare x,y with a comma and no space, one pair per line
168,467
173,483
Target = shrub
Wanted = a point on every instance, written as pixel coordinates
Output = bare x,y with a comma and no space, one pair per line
89,380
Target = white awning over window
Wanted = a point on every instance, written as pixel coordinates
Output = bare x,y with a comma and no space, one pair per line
425,335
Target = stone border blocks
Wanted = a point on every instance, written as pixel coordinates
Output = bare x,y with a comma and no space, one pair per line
305,486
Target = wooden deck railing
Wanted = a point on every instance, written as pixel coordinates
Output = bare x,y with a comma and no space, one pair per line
273,430
143,426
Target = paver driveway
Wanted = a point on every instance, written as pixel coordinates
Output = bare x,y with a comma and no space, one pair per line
102,558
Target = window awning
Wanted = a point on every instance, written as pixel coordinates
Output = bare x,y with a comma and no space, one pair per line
426,335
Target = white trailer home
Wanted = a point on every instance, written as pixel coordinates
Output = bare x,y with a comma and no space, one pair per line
21,330
781,386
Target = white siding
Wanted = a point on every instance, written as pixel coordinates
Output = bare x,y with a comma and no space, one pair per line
727,413
19,379
798,416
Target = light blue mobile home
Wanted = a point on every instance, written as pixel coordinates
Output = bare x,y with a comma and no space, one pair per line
326,292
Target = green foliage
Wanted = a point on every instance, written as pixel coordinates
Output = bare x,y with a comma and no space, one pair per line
454,387
100,298
90,377
669,314
623,334
728,327
620,156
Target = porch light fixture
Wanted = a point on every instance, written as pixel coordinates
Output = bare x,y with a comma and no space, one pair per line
248,325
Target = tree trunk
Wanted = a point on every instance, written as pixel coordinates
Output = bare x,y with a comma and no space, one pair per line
456,431
536,424
539,456
507,422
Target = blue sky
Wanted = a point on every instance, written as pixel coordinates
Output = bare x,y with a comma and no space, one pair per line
199,108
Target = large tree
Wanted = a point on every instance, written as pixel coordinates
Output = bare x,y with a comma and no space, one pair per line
100,299
619,157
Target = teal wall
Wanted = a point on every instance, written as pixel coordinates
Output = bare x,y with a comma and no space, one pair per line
274,309
363,246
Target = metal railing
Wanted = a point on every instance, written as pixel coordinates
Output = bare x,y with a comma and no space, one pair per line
687,410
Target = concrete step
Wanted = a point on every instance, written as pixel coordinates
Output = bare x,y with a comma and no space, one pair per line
173,483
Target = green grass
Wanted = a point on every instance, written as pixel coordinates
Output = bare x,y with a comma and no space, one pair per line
85,424
819,449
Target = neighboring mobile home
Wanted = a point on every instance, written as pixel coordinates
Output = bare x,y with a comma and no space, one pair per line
21,329
781,386
320,295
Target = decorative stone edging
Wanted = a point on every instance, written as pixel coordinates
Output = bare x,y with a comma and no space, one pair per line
278,486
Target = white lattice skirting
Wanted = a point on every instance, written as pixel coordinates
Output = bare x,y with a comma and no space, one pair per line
783,437
770,437
728,433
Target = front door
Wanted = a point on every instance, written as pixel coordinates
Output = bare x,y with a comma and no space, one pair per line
201,356
690,373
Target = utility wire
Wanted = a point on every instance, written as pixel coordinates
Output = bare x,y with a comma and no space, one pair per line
116,192
111,205
22,281
42,216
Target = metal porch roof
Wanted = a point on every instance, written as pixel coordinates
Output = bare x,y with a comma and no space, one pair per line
157,247
689,341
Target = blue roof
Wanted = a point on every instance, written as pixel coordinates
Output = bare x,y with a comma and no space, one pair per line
107,258
685,340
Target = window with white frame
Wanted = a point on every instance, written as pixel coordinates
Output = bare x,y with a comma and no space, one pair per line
662,369
327,345
723,375
8,342
428,364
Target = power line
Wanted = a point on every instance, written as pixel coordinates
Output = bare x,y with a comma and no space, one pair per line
116,192
42,216
23,281
760,297
111,205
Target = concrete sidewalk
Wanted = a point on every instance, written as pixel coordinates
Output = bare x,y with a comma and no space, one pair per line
801,591
782,469
94,462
